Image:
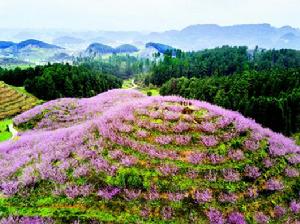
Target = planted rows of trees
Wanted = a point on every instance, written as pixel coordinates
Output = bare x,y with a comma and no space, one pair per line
60,80
271,97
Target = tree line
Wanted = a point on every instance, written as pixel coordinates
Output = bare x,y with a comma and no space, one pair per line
271,97
122,66
221,61
261,84
60,80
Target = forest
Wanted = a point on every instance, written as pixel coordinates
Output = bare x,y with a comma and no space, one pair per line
54,81
272,98
85,78
262,84
221,61
122,66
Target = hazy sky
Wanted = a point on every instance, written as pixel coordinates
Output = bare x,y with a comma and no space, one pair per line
148,15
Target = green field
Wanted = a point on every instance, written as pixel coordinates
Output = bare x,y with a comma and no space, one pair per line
4,133
154,91
297,138
127,84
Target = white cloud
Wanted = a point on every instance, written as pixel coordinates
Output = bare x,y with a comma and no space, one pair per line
144,14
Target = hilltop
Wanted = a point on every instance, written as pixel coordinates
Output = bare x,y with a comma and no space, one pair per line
161,48
27,52
97,49
126,48
6,44
37,44
27,43
124,157
148,51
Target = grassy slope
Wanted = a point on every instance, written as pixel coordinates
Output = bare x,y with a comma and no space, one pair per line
4,133
297,138
154,91
127,84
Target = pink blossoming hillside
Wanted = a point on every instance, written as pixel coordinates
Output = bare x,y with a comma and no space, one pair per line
122,157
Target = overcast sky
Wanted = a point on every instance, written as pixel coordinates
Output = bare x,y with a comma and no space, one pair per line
144,15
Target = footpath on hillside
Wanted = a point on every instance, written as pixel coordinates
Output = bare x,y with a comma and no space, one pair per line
13,131
131,84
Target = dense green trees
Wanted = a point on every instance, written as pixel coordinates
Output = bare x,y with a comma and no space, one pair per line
18,76
122,66
271,97
222,62
60,80
70,81
225,61
268,59
261,84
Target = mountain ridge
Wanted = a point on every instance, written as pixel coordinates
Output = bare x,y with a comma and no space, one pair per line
200,36
95,49
193,37
26,43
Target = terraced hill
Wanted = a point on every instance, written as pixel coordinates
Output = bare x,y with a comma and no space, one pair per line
122,157
13,102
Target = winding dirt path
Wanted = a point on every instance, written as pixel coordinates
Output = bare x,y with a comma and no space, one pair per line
134,85
13,131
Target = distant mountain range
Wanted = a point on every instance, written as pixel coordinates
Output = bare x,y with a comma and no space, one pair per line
198,37
67,40
65,45
27,43
27,52
195,37
35,52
